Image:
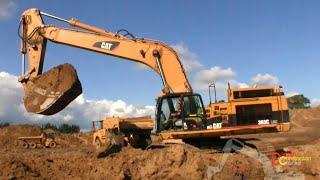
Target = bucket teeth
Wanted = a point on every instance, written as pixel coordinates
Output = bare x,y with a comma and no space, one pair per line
52,91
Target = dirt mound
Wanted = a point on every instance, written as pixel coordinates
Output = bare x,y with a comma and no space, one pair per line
174,162
305,125
74,140
52,91
305,117
13,169
76,157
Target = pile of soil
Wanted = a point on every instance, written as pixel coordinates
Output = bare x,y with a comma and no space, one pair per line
305,126
305,117
75,157
173,162
52,91
74,140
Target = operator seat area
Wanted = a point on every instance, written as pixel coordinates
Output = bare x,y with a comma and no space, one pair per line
181,113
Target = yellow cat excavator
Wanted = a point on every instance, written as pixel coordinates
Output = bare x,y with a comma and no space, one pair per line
180,112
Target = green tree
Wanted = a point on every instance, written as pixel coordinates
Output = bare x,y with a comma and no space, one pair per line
50,126
4,124
66,128
298,102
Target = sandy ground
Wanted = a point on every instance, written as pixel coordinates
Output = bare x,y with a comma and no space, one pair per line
75,157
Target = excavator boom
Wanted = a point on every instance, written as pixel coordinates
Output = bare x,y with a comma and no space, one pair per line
50,99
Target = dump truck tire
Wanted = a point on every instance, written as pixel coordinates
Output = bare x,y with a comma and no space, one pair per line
144,142
52,144
33,145
25,145
112,144
140,141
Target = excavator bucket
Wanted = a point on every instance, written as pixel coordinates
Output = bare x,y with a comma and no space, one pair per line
52,91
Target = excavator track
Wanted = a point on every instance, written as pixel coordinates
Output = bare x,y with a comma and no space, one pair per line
263,145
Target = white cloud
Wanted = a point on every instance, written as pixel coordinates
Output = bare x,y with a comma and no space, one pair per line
315,102
7,8
188,58
242,85
220,76
265,80
215,73
290,94
81,111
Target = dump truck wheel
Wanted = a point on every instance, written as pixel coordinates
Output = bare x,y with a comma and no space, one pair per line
144,142
33,145
52,144
25,145
117,140
112,144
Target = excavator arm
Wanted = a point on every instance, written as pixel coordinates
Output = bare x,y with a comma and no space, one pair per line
155,54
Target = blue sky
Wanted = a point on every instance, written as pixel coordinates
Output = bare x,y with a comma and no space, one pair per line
281,38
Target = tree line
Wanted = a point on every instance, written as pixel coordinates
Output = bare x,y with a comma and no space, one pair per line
62,128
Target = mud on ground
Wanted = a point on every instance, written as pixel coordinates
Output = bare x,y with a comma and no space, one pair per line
75,157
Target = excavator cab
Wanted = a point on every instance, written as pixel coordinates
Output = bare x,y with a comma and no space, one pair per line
180,112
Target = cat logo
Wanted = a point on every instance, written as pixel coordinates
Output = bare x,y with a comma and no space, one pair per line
108,45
